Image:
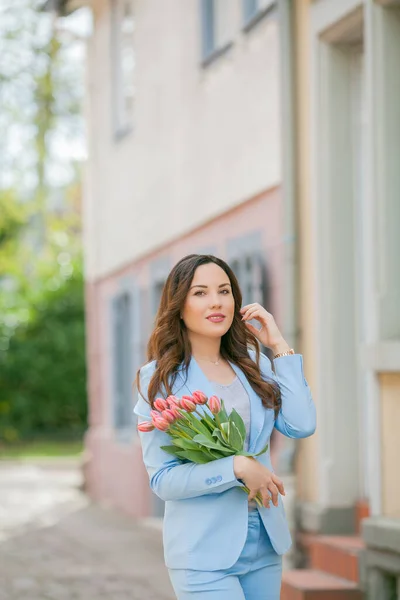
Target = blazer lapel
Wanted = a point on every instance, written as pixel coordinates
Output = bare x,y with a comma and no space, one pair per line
196,380
257,410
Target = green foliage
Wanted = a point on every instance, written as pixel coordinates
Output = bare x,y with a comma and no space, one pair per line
41,448
42,356
12,217
42,388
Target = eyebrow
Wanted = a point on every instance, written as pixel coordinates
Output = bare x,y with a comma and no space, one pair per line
206,286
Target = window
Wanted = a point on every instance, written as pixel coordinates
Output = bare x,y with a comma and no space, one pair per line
218,23
250,273
159,271
254,9
125,353
122,356
246,257
123,64
157,293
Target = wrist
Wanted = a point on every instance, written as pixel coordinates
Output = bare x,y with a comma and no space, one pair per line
239,463
280,346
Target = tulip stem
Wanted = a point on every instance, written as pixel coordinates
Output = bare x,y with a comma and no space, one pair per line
257,498
179,431
190,421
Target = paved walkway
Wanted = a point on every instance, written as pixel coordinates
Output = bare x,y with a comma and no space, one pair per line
56,545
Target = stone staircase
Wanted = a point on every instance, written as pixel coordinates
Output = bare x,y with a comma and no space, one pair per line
332,572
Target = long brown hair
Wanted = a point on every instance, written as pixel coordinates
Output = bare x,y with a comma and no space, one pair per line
169,342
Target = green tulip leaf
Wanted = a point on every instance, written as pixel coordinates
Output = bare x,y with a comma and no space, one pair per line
185,444
188,430
171,449
194,456
225,431
204,441
218,434
235,439
262,451
196,424
214,454
223,415
234,417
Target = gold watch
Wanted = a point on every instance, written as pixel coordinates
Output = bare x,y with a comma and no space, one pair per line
291,351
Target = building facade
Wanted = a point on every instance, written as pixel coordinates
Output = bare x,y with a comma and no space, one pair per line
347,98
267,133
184,121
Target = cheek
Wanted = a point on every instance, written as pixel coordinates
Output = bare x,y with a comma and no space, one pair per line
192,310
230,306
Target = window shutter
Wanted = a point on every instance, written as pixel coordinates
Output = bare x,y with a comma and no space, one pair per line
207,21
135,330
249,9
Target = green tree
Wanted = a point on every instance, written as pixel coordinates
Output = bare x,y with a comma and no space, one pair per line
42,356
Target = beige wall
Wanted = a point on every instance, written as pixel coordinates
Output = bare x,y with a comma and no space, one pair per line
390,436
204,139
307,464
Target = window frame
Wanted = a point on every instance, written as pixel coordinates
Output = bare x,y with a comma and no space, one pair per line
253,13
210,49
124,432
122,120
239,251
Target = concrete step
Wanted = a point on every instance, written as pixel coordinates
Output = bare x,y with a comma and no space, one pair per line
311,584
336,555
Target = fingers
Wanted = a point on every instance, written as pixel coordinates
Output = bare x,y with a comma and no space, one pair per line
255,306
266,498
244,308
274,493
252,494
252,329
279,484
252,313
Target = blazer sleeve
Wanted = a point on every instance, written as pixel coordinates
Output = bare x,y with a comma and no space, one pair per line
170,477
297,416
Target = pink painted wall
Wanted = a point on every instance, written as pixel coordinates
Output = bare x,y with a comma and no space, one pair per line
114,472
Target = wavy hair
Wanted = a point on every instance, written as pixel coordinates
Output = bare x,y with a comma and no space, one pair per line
169,342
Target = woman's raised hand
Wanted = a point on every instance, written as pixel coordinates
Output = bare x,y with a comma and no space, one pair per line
269,334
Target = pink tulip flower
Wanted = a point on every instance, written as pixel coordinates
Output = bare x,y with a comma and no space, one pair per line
161,424
160,404
155,414
168,415
175,412
188,404
145,426
172,401
199,397
214,404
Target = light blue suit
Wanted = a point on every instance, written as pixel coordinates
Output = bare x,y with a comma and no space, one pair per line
206,514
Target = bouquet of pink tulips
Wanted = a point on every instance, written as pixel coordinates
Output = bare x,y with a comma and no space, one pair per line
199,437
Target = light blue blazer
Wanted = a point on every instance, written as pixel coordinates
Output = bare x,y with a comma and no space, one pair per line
206,514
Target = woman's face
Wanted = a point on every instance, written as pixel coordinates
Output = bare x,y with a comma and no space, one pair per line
209,307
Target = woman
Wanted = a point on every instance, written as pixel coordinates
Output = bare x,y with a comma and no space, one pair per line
218,544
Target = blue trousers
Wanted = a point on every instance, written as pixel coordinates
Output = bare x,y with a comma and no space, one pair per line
256,575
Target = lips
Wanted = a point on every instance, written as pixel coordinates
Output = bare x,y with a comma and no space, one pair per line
216,317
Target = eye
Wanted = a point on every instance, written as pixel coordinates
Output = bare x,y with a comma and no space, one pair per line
225,292
198,293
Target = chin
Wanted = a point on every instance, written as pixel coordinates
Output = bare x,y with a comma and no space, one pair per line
217,331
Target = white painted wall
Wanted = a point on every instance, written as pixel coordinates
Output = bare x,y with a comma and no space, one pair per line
204,139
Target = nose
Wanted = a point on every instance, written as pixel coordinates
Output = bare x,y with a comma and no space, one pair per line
215,301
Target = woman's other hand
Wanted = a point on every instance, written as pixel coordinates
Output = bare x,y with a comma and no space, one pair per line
258,479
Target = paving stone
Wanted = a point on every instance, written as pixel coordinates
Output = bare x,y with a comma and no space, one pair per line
56,545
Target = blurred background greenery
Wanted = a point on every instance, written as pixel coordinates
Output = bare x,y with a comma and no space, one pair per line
42,329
